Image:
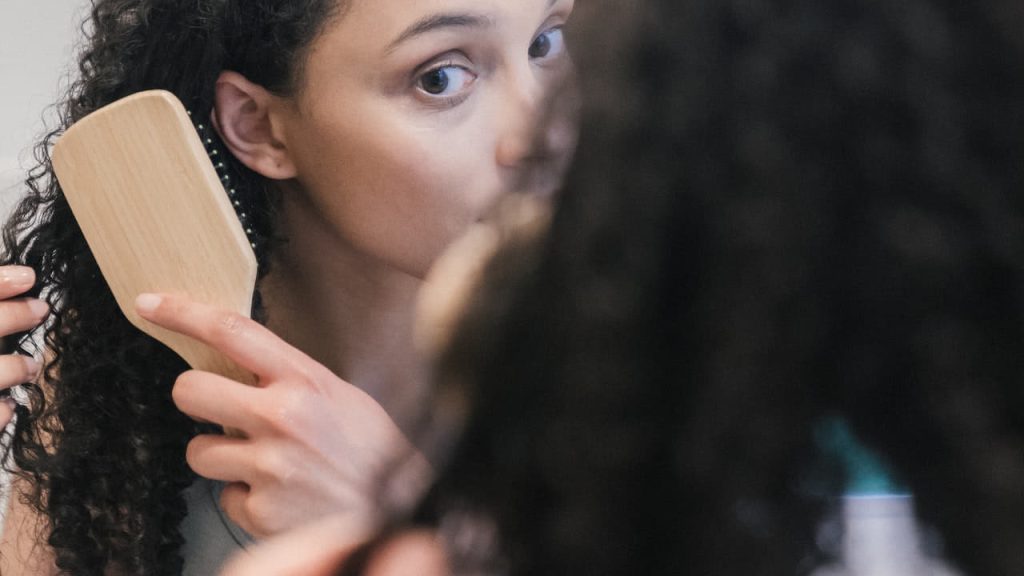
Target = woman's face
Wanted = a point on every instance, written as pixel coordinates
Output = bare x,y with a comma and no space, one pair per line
414,116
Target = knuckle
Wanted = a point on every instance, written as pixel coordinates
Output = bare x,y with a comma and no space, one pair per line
294,403
30,368
15,369
187,381
268,465
305,376
185,386
234,500
11,371
266,414
194,453
17,315
261,514
32,311
229,325
286,409
315,380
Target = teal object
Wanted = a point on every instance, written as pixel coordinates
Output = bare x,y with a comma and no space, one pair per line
866,474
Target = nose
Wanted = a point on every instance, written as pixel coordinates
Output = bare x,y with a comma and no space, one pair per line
519,124
537,123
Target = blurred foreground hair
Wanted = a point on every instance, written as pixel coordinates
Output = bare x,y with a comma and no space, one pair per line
782,211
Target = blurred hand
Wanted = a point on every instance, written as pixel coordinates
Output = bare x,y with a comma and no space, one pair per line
323,548
17,315
311,444
317,549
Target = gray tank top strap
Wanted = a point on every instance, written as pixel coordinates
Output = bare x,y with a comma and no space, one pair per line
211,538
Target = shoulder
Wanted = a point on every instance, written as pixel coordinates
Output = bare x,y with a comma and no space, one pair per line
23,548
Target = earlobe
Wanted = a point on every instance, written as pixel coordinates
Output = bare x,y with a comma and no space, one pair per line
244,117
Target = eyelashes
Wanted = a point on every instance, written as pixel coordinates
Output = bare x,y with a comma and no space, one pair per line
447,83
450,83
549,44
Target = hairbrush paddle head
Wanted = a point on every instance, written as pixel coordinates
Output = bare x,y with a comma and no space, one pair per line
155,215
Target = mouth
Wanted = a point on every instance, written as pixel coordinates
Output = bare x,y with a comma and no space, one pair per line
525,195
519,214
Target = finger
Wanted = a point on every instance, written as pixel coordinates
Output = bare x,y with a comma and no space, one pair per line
317,549
17,369
222,458
7,406
212,398
21,314
242,340
419,548
232,502
15,280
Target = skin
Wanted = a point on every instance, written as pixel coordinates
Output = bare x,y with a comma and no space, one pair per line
17,315
381,175
319,549
303,430
322,548
378,175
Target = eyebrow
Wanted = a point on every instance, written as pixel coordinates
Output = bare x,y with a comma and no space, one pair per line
439,21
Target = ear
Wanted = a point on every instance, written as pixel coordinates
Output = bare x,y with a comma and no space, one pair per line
245,117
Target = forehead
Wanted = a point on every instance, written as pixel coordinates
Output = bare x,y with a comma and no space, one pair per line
359,41
392,15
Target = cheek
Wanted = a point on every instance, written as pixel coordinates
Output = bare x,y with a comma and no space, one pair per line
433,199
401,197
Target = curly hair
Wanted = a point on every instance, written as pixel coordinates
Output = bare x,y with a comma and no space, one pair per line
923,137
781,212
636,379
100,443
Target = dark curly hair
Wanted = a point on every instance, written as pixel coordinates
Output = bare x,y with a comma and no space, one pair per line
782,212
101,444
637,378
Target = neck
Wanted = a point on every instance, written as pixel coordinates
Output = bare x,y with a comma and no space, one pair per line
351,313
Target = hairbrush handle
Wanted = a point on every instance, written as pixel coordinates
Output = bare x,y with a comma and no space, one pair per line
155,215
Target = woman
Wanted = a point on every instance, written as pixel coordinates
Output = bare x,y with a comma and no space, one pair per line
362,137
781,213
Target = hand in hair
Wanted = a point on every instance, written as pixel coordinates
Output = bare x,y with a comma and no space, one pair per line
312,444
334,547
18,554
17,315
316,549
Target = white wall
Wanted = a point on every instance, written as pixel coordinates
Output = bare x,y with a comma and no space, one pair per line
37,39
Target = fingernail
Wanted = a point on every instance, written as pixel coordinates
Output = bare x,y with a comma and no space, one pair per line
38,307
31,366
145,303
17,275
11,403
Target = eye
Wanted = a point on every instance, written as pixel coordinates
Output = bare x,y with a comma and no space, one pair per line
549,44
446,80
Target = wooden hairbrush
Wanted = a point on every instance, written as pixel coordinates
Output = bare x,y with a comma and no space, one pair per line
156,216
